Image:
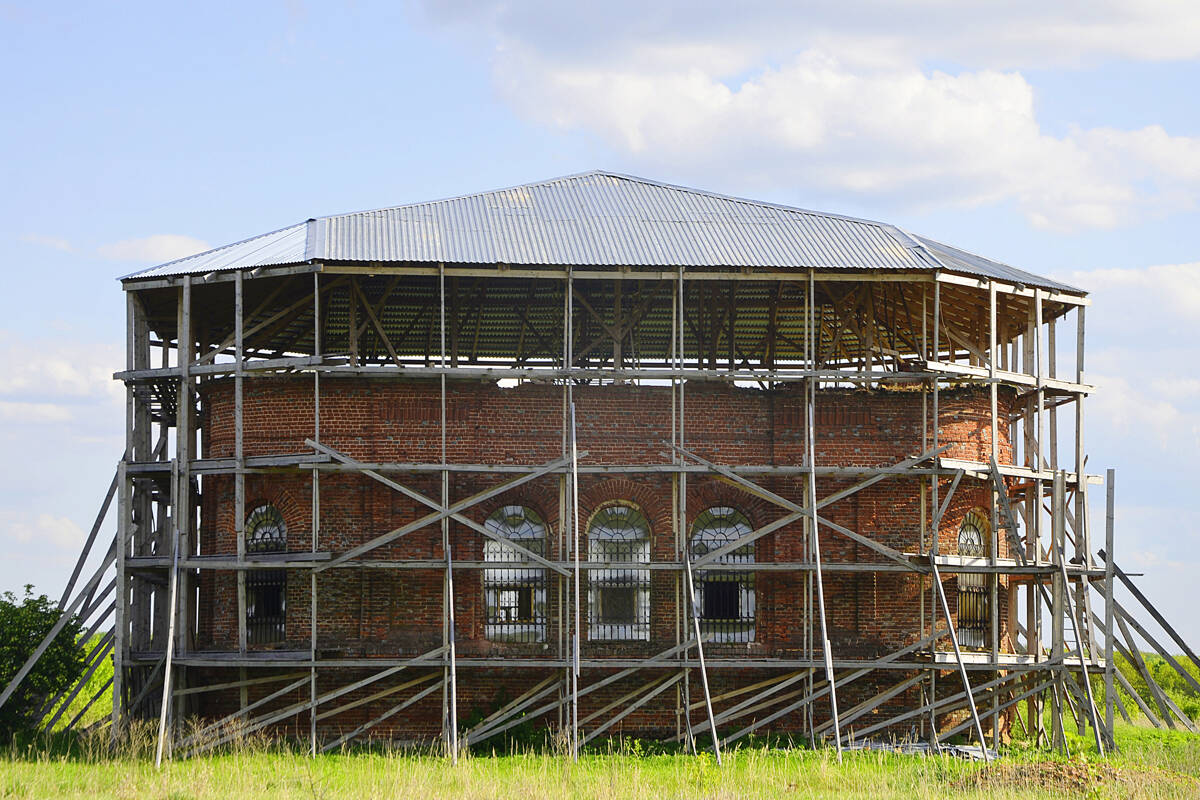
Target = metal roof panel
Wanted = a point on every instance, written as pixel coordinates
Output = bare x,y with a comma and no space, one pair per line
600,219
284,246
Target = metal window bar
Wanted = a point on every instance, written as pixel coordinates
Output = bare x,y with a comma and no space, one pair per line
725,598
619,598
266,590
515,598
974,599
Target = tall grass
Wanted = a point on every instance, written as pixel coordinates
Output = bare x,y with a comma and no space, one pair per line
1151,764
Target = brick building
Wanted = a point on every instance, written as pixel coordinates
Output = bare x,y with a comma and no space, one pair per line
602,456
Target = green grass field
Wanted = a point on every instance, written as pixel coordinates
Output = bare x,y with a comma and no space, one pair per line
1150,764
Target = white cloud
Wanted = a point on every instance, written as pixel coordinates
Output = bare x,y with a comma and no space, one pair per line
1158,304
1163,409
50,382
41,528
1144,421
1174,287
837,97
20,412
156,249
61,419
64,370
52,242
1025,33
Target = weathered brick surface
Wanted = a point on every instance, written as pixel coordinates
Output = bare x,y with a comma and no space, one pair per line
390,612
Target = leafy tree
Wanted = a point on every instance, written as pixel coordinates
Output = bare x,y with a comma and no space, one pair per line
24,623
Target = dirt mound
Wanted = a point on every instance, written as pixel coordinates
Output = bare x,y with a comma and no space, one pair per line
1066,777
1079,778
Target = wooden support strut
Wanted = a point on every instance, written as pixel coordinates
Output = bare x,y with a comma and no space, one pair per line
943,704
799,511
67,616
391,712
821,689
756,701
271,718
441,513
1141,598
941,593
577,692
87,545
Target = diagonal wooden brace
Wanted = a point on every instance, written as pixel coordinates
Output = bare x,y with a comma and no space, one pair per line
441,512
799,511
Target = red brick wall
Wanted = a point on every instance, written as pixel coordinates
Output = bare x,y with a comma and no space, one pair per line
364,612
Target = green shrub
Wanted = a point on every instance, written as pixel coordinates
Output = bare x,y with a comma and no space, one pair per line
24,623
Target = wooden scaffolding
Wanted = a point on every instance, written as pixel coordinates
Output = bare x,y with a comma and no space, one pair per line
566,326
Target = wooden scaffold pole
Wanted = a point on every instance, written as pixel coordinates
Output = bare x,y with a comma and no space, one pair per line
815,539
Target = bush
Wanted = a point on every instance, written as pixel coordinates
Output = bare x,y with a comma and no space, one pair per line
24,623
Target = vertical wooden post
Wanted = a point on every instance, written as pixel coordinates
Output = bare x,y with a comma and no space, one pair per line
994,544
353,298
826,646
120,623
1052,371
683,719
180,485
451,721
564,551
239,454
576,542
806,620
935,507
1033,516
1083,532
618,325
140,512
316,524
1058,597
678,390
1109,632
568,551
133,346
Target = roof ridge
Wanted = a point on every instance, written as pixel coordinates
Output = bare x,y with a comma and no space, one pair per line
453,198
737,198
627,177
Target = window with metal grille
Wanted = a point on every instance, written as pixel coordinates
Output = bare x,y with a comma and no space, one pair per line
974,599
724,597
515,597
619,597
266,589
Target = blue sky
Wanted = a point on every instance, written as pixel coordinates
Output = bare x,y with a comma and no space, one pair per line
1064,140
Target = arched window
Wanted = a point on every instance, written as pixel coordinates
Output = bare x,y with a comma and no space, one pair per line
725,597
515,597
974,599
619,597
266,589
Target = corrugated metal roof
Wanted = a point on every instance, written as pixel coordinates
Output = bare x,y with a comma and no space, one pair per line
286,246
599,219
961,261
